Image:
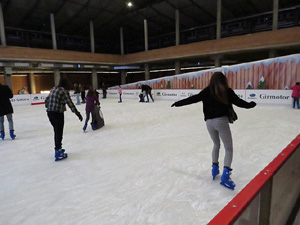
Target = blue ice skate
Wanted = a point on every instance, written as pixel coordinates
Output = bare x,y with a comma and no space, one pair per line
215,171
93,126
225,179
84,127
12,135
2,134
60,154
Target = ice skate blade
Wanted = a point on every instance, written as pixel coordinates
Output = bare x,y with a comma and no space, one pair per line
61,158
231,187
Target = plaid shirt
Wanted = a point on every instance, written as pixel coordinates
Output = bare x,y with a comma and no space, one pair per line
57,99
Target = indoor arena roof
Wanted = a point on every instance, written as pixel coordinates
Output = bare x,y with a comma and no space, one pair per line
72,17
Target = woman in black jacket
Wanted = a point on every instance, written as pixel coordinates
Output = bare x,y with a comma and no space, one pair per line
6,109
217,100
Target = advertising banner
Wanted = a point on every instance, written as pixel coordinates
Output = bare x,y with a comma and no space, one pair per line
113,93
281,97
241,94
21,100
130,94
165,94
38,98
182,94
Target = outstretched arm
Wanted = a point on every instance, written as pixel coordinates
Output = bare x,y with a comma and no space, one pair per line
189,100
240,102
71,105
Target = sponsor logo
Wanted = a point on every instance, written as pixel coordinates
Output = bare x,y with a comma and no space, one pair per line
190,94
252,96
169,94
22,99
265,96
158,94
128,93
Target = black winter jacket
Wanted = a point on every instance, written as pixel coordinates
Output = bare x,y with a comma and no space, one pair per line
211,107
5,104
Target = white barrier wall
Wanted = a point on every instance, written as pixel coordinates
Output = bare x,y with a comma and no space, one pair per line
272,97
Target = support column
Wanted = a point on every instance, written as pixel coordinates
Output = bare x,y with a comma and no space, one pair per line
94,79
219,19
92,37
218,60
32,83
56,77
177,67
147,72
275,14
121,41
53,31
177,27
7,77
2,29
123,77
146,34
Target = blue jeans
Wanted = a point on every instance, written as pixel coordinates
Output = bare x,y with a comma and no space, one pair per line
296,101
78,98
10,122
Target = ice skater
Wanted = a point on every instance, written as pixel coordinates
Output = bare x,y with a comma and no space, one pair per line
82,93
55,104
91,102
6,109
147,90
217,100
296,94
77,92
120,93
142,95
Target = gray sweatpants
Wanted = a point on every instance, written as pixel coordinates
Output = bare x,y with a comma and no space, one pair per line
219,128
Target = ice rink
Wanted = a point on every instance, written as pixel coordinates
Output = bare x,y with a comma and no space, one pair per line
150,164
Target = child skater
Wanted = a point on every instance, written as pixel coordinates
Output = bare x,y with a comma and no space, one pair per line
217,100
91,101
120,93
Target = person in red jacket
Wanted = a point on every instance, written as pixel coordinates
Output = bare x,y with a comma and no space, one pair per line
217,100
296,94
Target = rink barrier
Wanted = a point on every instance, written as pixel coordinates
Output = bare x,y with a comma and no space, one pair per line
271,97
270,197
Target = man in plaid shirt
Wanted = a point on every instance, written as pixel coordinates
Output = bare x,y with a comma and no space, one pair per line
56,105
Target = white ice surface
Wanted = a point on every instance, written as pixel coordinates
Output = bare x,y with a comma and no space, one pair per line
150,164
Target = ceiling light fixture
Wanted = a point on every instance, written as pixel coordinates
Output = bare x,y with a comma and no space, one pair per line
129,4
